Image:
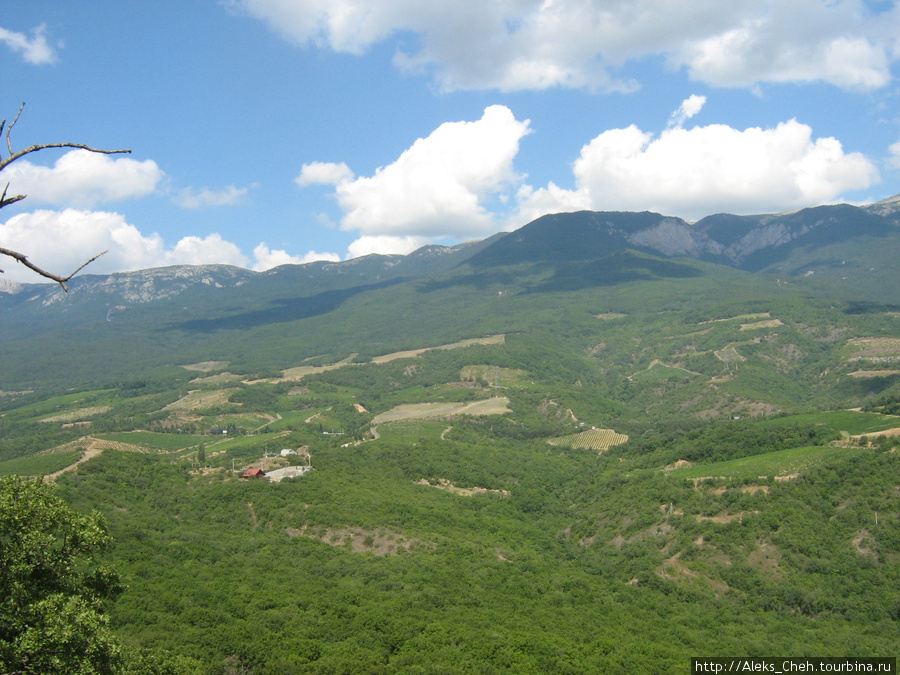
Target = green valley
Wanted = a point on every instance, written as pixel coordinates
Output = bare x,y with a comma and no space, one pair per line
560,454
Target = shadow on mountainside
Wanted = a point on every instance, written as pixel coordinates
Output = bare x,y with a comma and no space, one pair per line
283,310
619,268
554,276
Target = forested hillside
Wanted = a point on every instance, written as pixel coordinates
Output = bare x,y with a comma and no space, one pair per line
536,458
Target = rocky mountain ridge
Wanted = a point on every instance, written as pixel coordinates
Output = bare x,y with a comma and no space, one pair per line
751,243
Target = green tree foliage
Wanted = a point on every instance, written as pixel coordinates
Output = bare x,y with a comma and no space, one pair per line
51,589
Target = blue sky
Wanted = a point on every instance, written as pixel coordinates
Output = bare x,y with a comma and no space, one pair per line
267,132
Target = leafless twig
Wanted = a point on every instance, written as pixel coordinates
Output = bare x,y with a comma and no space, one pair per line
6,201
44,273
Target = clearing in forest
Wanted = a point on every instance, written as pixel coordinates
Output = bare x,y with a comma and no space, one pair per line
593,439
447,486
494,375
878,350
358,540
206,366
755,325
79,414
197,400
298,373
411,411
412,353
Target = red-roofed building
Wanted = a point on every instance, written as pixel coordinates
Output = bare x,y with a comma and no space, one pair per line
254,473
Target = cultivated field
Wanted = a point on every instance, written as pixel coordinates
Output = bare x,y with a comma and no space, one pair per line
299,372
197,400
495,375
411,411
593,439
79,414
780,463
489,340
206,366
878,350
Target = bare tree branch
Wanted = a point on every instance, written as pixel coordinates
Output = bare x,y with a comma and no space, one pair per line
9,131
6,201
12,200
13,156
44,273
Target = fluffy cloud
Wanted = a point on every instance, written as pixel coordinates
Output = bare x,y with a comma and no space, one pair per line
703,170
323,173
454,183
437,187
60,241
689,107
894,159
212,249
267,259
82,179
531,44
35,50
385,244
190,198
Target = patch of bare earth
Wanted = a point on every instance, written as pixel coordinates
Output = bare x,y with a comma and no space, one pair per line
206,366
680,464
299,372
770,323
756,408
358,540
220,378
724,518
864,543
408,411
766,558
873,373
412,353
674,570
197,400
884,432
77,415
446,485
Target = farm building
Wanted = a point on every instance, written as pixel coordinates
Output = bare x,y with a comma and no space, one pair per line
254,473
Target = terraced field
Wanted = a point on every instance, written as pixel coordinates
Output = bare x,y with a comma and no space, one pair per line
492,406
593,439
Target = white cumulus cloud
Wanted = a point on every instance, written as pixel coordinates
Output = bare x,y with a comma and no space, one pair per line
209,250
82,179
703,170
386,245
690,107
323,173
534,44
60,241
894,159
35,50
439,185
267,258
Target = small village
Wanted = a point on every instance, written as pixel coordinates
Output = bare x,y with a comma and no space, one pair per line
266,470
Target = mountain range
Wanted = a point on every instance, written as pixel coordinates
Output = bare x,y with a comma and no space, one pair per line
843,251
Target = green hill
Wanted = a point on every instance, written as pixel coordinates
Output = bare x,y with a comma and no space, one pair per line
448,514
